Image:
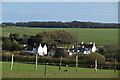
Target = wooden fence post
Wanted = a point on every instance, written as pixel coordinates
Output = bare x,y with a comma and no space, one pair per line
96,65
36,62
60,63
76,62
11,67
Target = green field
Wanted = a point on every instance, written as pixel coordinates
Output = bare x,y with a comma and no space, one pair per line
21,70
100,36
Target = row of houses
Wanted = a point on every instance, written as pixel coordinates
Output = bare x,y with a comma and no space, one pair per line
79,49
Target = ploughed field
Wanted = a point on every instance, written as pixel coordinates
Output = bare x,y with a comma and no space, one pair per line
22,70
100,36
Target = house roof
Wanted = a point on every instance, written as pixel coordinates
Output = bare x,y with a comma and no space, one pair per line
87,45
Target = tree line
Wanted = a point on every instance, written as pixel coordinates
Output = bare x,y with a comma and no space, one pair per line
59,24
50,38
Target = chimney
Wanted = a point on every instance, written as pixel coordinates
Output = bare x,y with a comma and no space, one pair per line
81,42
90,42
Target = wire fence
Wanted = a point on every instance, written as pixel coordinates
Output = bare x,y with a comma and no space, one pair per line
105,67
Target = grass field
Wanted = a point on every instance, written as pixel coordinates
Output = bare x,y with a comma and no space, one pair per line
100,36
21,70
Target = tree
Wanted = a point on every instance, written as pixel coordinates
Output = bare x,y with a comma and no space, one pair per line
10,45
64,37
52,38
25,38
60,52
6,44
15,47
58,36
13,36
31,41
111,52
101,51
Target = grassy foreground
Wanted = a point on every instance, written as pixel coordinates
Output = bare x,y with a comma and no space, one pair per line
100,36
21,70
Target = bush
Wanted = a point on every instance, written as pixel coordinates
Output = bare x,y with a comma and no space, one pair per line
95,56
27,58
6,56
26,53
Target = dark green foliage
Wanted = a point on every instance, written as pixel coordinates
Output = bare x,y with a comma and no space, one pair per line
101,51
73,24
6,44
8,24
29,58
64,37
60,52
95,56
111,52
52,38
25,38
53,24
13,36
26,54
10,45
15,47
31,41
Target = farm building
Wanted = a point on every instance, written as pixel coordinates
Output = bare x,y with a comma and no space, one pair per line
42,51
83,48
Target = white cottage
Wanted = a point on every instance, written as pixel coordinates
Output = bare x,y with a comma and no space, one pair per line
42,51
83,48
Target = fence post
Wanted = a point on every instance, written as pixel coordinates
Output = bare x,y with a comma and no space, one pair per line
12,62
60,63
45,71
115,66
76,62
36,62
96,65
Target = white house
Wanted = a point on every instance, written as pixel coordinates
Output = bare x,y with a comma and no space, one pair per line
42,50
94,48
83,48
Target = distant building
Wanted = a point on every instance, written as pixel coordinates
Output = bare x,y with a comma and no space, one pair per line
83,48
80,49
42,51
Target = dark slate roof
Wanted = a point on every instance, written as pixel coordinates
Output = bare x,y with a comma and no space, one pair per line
87,45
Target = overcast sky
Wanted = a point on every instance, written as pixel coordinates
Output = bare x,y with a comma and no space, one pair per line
106,12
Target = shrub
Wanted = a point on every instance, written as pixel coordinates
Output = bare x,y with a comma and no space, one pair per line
95,56
26,53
